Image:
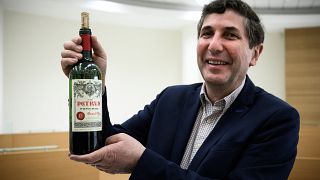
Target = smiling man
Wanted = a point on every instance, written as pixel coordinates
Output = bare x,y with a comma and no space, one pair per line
224,128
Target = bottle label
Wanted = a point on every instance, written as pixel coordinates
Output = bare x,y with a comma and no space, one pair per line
86,105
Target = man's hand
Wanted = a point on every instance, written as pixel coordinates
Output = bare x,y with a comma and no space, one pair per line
120,155
72,53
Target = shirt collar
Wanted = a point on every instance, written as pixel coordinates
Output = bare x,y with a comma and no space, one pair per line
227,101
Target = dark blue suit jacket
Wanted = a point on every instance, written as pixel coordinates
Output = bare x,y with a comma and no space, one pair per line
255,139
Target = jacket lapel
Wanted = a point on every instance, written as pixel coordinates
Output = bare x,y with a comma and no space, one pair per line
239,108
187,119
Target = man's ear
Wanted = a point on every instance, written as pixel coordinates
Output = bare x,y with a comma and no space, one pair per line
257,50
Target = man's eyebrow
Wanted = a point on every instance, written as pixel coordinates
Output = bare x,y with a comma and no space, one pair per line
232,28
205,28
228,28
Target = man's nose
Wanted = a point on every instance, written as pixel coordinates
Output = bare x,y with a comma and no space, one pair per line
216,44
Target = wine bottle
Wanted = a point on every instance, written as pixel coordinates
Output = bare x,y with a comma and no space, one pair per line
85,98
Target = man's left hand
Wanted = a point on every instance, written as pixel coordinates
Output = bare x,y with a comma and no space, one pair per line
120,155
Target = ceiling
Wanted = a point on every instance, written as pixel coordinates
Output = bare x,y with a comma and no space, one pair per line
261,6
276,15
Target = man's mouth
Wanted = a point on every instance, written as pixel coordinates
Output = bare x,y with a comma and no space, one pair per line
211,62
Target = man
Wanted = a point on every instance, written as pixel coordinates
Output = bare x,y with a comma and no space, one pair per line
224,128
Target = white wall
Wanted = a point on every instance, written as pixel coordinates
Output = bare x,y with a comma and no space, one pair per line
190,70
141,62
1,69
269,73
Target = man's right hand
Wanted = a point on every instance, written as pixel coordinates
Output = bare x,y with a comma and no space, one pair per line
71,54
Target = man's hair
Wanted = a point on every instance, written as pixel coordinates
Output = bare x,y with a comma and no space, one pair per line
252,24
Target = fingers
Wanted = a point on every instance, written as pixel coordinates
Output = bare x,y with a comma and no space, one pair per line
68,61
74,44
102,159
71,54
72,49
97,48
66,65
119,156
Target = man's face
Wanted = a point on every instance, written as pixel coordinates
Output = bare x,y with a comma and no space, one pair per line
223,52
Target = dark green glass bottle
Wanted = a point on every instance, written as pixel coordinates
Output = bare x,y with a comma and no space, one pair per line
85,98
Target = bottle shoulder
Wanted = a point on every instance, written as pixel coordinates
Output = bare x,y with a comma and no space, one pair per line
85,69
83,65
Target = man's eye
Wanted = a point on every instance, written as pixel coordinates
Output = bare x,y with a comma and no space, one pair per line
206,34
231,36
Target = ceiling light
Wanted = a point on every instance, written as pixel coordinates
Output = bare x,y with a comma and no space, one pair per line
106,6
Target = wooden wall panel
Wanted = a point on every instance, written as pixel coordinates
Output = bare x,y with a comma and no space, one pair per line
61,139
306,169
5,140
308,107
106,176
309,142
303,72
48,165
303,92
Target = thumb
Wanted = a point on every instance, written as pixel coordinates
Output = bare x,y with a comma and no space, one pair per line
90,158
115,138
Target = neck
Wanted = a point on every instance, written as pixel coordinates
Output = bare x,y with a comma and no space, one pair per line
217,92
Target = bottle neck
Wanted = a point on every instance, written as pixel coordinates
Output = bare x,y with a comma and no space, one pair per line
85,34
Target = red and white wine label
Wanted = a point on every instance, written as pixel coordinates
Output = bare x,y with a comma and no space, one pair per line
86,105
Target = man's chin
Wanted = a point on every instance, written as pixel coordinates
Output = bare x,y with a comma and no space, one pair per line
215,82
215,79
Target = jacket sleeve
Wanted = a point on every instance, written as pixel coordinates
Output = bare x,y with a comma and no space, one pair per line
272,151
107,129
153,166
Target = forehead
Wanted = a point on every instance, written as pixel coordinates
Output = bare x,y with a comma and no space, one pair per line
228,19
